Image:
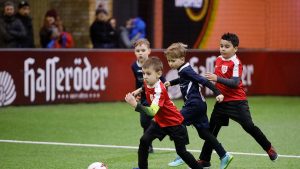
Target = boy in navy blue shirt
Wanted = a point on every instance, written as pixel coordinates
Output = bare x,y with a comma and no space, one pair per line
142,51
195,108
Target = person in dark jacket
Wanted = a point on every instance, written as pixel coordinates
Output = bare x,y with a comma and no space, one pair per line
23,15
12,30
49,28
102,33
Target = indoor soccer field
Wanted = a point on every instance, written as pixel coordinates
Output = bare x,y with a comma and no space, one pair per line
75,135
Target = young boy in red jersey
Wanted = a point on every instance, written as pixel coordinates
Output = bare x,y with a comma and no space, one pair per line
142,51
228,72
167,119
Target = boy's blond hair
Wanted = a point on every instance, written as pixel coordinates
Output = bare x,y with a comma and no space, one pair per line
142,42
176,50
155,62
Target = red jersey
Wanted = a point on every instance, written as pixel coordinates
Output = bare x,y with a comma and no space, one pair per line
228,68
168,114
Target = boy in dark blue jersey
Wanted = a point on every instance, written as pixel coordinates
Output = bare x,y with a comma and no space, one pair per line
142,51
195,108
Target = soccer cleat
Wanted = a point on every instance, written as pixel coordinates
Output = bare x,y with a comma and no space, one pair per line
177,162
272,154
225,161
205,164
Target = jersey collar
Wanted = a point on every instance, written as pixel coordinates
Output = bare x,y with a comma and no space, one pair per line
231,58
183,66
157,83
139,65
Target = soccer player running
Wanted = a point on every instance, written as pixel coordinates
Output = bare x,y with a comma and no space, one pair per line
194,110
142,51
228,72
168,120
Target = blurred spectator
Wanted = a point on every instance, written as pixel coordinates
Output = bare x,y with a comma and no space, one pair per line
102,33
12,30
116,39
135,29
60,38
24,15
49,27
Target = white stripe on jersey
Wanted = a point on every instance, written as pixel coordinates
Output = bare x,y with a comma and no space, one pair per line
157,91
189,87
235,71
184,66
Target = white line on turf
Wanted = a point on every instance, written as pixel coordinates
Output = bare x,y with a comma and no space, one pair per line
127,147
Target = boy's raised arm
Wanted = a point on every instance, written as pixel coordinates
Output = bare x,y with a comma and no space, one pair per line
150,111
232,83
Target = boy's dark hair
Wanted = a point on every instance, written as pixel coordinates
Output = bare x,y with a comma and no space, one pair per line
233,38
141,42
176,50
155,62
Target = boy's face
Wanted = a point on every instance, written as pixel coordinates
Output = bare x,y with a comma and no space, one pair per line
151,76
175,63
226,49
142,52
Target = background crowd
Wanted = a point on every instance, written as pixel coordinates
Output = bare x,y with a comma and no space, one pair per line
16,29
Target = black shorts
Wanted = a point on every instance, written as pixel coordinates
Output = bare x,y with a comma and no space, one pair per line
177,133
235,110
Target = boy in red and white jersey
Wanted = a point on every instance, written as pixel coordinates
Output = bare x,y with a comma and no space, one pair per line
167,118
228,72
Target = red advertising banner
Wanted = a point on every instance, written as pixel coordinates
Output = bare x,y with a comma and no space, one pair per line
68,76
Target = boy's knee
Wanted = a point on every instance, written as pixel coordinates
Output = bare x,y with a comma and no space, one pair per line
144,140
180,150
145,124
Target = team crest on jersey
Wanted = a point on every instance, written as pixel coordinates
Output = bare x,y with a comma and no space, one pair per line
151,97
224,69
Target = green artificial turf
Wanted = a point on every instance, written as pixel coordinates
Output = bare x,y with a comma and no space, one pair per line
117,124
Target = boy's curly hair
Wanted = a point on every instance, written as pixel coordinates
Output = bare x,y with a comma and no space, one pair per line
176,50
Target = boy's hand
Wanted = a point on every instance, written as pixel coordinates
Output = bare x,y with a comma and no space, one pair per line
211,76
137,92
129,98
220,98
167,84
138,97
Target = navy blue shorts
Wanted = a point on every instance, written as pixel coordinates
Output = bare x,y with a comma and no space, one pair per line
195,115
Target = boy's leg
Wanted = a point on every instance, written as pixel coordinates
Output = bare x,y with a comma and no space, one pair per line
180,137
145,123
225,157
243,117
217,119
206,135
145,142
153,132
143,153
207,148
